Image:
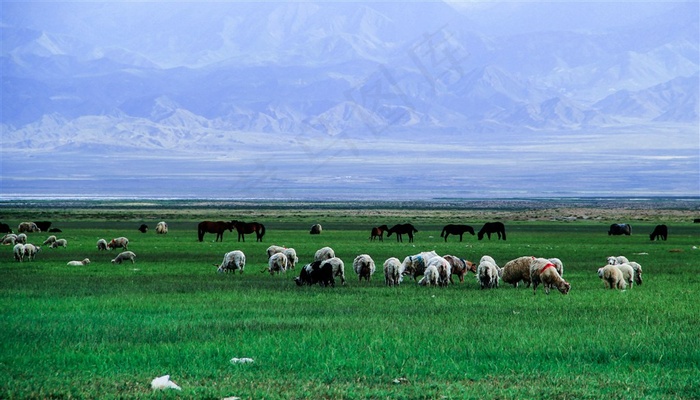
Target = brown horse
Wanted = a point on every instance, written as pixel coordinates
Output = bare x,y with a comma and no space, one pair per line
217,227
456,230
400,229
378,232
249,227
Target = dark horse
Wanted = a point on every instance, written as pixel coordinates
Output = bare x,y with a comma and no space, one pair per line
378,232
249,227
400,229
456,230
660,232
492,227
217,227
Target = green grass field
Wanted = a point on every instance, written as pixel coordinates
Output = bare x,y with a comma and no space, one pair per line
105,331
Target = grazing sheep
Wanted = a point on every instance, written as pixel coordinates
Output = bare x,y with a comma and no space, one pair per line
558,265
30,251
545,272
233,260
487,275
444,270
316,229
612,277
415,265
431,276
124,255
338,267
49,240
78,263
627,273
518,270
637,272
21,238
292,258
274,250
28,227
392,271
101,244
460,267
277,263
489,259
324,253
120,242
10,239
18,251
161,228
364,266
59,243
612,260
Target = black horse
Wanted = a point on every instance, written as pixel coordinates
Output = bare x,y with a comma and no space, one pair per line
378,232
249,227
660,232
620,229
217,227
456,230
400,229
492,227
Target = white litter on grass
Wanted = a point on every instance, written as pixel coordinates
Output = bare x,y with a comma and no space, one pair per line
641,254
400,380
231,398
243,360
164,382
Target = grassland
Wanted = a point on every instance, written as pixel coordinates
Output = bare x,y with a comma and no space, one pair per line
105,331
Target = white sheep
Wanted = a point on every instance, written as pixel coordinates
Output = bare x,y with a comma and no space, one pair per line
415,265
161,228
487,274
233,260
120,242
49,240
612,260
544,271
101,244
324,253
637,272
338,267
124,255
517,270
59,243
292,258
392,271
364,266
18,251
277,263
30,251
78,263
489,259
444,270
558,265
274,250
21,238
627,273
431,276
10,239
612,277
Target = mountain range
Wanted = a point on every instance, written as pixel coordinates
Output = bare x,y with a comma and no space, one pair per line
202,99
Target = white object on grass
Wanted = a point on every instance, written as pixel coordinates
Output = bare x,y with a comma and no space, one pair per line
243,360
164,382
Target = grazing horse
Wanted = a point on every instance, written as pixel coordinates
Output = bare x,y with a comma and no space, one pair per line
493,227
660,232
620,229
249,227
400,229
217,227
378,232
456,230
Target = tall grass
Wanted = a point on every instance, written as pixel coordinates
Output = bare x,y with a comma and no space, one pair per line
104,331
